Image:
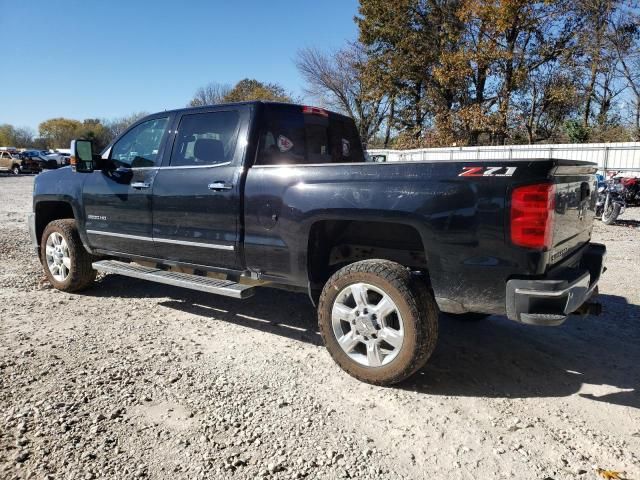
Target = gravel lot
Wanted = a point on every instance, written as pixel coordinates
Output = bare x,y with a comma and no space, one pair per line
133,379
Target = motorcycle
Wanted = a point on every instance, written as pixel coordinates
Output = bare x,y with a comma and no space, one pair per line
610,203
631,189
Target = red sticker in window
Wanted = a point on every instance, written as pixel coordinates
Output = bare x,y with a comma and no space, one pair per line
284,144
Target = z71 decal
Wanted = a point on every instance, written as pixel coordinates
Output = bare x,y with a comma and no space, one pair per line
487,171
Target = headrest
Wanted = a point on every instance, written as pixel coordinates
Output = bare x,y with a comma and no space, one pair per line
209,150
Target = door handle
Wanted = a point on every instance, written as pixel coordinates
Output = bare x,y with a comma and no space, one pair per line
140,185
220,186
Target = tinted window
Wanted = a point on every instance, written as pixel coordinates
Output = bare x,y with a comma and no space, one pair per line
291,136
205,139
139,146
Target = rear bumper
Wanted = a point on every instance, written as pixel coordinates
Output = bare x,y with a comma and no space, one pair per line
548,301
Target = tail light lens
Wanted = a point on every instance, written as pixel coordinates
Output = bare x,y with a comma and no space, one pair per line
532,209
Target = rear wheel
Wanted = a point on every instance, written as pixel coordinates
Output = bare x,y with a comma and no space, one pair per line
378,322
67,264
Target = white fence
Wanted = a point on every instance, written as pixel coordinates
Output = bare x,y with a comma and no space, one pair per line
622,157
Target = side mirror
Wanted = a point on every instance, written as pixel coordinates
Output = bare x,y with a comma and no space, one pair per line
82,156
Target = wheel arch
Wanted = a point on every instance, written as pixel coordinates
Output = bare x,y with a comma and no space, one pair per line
49,210
334,243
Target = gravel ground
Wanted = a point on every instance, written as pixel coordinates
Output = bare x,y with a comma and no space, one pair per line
138,380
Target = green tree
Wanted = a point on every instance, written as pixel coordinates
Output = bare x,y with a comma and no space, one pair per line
576,131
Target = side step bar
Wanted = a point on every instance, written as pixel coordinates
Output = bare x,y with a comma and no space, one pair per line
176,279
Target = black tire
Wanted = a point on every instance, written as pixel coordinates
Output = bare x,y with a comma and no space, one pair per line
609,218
80,273
15,170
415,304
468,317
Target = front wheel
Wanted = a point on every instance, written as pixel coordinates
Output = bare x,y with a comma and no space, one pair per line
378,321
66,263
610,214
15,170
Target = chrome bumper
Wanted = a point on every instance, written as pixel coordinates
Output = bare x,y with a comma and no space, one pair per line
548,301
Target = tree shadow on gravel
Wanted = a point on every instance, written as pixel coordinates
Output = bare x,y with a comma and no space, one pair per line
491,358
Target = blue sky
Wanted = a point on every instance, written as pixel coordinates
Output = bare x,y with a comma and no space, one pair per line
105,59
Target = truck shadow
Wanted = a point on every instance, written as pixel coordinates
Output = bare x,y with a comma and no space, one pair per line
627,223
270,310
595,356
599,357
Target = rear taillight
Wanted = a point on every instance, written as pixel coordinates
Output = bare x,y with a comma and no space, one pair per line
532,215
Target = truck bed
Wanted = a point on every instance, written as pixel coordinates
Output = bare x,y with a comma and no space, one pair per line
459,210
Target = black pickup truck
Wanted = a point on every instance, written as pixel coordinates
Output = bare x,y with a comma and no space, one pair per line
226,198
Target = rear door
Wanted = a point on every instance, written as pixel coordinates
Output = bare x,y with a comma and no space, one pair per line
117,201
197,192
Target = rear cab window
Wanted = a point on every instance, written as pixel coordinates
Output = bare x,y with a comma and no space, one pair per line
295,135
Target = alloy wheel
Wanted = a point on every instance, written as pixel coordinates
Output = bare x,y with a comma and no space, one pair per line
367,325
57,257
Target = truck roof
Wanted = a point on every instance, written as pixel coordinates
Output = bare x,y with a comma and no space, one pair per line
232,104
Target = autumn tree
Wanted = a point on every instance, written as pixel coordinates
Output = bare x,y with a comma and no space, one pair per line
243,91
58,132
404,40
249,89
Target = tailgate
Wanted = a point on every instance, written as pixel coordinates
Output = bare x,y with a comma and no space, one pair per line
575,198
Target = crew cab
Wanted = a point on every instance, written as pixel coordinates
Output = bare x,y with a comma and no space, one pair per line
228,198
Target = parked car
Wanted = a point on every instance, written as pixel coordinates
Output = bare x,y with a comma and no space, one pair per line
281,194
41,157
12,162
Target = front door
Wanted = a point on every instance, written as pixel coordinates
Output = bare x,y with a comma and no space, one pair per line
196,194
117,200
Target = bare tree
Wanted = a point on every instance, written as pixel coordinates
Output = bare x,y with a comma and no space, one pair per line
337,81
626,42
116,126
211,94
